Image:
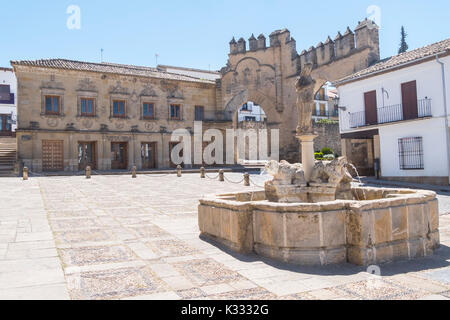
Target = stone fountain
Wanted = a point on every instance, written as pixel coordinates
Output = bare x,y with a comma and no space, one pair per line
310,214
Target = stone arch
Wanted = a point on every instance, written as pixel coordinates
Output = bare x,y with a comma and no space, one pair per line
266,102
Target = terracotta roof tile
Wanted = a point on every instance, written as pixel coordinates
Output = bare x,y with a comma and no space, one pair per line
399,60
105,67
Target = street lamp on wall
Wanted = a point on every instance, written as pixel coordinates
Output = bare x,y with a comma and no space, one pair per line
336,100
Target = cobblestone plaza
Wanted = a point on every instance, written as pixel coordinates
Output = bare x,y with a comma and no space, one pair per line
113,237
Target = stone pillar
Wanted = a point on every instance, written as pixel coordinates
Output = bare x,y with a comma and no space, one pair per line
247,179
308,160
88,172
133,172
25,173
221,175
202,173
179,171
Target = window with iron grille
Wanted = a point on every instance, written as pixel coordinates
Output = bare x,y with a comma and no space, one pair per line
411,153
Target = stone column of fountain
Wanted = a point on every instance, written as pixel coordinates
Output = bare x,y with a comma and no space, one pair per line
305,132
309,181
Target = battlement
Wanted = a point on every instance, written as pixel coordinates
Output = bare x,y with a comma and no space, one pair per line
276,38
365,35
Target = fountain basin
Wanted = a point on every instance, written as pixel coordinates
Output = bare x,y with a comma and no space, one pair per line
392,224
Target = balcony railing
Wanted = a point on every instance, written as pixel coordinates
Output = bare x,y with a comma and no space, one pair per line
331,113
390,114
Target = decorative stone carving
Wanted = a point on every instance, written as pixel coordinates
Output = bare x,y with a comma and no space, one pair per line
285,173
149,126
134,97
120,125
87,123
330,181
305,99
86,85
118,89
175,93
148,91
52,84
334,175
52,122
70,126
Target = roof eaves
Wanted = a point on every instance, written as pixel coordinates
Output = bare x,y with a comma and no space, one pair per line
388,69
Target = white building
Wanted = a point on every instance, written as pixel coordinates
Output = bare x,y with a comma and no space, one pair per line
325,103
251,112
8,96
394,116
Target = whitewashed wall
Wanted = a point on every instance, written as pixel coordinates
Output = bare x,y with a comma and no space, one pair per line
434,149
429,84
8,77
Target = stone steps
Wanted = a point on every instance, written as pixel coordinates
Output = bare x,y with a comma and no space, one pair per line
8,151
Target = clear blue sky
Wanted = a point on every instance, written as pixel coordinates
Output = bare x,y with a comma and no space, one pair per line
196,33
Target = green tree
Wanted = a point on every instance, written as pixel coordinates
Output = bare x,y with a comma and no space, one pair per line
403,45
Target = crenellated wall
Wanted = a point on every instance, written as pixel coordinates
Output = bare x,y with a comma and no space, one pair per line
266,75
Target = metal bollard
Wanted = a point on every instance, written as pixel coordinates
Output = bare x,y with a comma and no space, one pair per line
246,179
88,172
221,175
133,172
202,173
25,173
179,171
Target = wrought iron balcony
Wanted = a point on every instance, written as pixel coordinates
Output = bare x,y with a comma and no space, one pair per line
390,114
325,113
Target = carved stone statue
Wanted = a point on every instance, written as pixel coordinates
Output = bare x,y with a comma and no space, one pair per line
305,100
330,181
285,173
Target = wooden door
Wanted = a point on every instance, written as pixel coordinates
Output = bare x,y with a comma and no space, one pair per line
5,125
148,155
409,100
119,155
87,155
52,155
370,105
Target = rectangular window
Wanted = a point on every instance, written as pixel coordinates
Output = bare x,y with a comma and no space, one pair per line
411,153
119,108
175,112
87,107
5,92
148,111
199,113
52,105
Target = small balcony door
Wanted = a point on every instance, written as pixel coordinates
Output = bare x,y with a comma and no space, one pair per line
5,125
370,106
87,155
409,100
148,155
